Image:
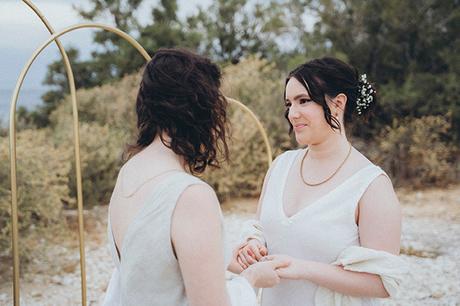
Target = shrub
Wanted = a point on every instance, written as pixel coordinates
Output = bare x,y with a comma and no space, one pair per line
107,118
111,104
419,151
259,85
42,179
100,153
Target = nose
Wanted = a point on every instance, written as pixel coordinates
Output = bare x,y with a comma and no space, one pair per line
293,113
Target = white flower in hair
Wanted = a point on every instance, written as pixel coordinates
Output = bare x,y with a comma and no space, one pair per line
365,96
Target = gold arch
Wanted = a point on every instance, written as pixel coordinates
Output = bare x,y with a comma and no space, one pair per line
14,213
73,96
71,80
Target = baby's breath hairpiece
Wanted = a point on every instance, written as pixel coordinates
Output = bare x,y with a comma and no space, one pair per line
365,96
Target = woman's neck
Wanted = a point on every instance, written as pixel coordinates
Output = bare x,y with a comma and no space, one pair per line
331,148
165,155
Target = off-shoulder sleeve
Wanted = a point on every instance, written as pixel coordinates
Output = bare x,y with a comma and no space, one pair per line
391,269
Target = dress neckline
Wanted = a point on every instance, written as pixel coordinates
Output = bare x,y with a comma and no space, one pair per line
117,252
319,199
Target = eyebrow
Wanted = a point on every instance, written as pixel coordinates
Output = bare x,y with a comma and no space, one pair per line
298,96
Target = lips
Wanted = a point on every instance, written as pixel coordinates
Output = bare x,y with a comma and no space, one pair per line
299,126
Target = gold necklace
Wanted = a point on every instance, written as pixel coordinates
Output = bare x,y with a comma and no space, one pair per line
337,170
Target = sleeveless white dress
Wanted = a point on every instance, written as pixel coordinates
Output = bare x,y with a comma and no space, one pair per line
318,232
149,273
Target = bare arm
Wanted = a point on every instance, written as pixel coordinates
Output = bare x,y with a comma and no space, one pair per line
196,233
197,238
379,228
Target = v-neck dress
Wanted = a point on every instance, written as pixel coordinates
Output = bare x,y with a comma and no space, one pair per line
148,272
318,232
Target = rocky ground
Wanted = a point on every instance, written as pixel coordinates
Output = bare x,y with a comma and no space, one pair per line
430,244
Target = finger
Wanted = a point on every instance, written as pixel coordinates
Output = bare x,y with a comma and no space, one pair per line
239,247
277,264
240,262
242,245
263,251
266,258
255,251
243,258
249,258
270,257
281,273
237,269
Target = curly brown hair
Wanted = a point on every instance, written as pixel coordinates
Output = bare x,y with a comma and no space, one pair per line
180,96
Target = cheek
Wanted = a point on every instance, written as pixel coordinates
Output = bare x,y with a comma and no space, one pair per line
303,112
311,114
316,116
322,123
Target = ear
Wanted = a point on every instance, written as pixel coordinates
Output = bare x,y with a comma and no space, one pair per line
340,101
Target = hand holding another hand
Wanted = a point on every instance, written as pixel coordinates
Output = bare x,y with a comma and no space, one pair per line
250,253
296,270
264,274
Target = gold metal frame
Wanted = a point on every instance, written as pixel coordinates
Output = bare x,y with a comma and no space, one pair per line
71,80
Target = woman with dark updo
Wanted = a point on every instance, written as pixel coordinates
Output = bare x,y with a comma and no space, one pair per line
326,209
164,223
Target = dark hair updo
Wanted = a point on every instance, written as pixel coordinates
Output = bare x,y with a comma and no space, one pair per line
329,77
180,95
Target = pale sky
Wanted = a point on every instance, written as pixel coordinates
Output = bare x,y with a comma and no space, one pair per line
21,32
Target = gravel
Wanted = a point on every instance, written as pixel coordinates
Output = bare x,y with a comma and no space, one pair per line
430,245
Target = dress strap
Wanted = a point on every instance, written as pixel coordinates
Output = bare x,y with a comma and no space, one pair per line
281,170
366,177
360,183
276,183
162,197
172,188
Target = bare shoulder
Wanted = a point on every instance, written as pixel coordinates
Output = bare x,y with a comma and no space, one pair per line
198,198
380,216
197,213
199,191
381,184
381,194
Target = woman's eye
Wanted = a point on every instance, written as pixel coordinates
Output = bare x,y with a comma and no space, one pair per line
287,104
302,101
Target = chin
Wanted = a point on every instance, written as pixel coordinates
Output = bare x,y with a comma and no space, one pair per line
302,140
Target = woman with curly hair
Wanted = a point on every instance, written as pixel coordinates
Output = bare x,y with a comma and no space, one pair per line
164,223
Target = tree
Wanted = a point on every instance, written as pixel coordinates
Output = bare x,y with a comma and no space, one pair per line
167,31
405,47
115,58
234,28
86,75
